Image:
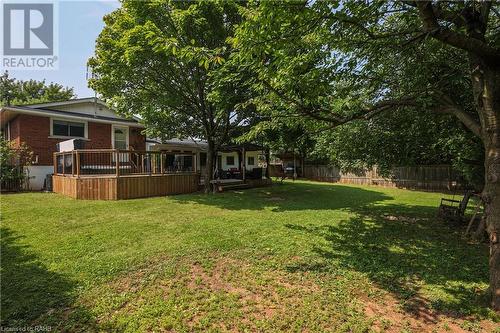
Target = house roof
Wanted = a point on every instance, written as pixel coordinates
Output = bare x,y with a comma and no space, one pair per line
153,140
202,145
176,143
47,110
186,142
246,146
68,102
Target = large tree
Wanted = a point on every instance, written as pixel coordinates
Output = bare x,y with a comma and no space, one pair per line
403,138
166,62
337,62
14,91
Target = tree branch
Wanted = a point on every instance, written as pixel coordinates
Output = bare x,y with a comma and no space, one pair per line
337,120
447,36
451,108
455,18
485,12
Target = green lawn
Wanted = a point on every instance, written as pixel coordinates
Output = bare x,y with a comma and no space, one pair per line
299,256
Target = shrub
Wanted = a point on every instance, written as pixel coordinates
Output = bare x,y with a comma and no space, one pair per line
12,163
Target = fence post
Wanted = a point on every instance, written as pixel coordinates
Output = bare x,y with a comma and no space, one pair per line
149,160
77,164
64,163
117,162
54,158
72,163
161,162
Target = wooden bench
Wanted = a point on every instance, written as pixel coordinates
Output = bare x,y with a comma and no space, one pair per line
454,210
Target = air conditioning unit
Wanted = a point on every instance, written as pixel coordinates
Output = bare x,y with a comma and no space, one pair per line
70,145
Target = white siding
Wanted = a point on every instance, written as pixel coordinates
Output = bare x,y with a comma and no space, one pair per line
255,155
236,164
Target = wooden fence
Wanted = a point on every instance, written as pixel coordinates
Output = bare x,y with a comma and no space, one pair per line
425,177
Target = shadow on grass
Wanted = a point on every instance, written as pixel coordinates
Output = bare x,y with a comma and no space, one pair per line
34,296
289,197
404,249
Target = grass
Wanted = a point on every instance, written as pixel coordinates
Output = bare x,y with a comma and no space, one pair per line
300,256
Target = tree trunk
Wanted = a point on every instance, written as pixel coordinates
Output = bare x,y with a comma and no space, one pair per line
486,88
209,172
268,161
491,197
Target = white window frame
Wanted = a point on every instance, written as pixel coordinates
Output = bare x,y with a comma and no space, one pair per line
84,122
127,137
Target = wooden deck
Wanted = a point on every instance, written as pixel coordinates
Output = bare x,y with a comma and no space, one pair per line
125,187
108,174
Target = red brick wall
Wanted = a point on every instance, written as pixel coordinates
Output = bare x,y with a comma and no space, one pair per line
35,132
99,136
15,131
136,140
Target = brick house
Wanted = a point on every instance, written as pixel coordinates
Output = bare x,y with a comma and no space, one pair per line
42,126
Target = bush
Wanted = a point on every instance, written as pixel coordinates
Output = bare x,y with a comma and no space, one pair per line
12,163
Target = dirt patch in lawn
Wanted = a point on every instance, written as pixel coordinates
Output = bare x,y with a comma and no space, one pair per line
223,294
215,292
214,278
260,295
389,316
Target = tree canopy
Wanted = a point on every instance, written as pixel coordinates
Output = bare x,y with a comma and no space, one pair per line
376,82
166,62
335,62
401,66
14,91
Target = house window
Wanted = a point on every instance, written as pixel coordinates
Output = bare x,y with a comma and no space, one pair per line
178,162
185,162
68,128
120,138
229,160
251,160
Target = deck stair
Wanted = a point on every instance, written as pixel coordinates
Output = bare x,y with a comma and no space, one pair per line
230,184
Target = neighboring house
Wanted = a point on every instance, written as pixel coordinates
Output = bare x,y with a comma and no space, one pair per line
42,126
150,143
186,153
229,158
233,156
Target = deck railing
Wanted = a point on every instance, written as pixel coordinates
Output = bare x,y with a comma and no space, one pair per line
90,162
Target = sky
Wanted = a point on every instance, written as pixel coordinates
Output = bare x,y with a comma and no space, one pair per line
80,22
